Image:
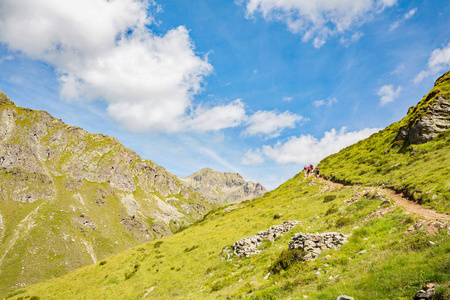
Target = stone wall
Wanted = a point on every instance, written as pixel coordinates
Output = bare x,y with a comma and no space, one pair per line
248,246
313,244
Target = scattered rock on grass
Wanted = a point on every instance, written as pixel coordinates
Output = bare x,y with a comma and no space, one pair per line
427,292
345,297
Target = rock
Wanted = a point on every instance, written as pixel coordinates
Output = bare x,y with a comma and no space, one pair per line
313,244
248,246
267,276
427,292
429,117
345,297
361,252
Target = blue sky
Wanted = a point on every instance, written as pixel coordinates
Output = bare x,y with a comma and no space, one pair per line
258,87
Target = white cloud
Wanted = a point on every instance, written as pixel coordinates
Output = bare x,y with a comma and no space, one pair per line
327,102
6,58
405,17
104,50
287,99
318,20
271,123
438,62
388,93
307,149
253,157
353,39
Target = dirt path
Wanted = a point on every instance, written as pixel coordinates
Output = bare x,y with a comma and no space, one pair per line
409,206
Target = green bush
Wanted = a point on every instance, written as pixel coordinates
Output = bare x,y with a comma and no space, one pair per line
103,262
342,221
190,249
329,198
286,259
157,244
333,209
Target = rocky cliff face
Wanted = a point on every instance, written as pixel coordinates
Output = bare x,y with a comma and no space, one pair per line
70,198
224,188
430,116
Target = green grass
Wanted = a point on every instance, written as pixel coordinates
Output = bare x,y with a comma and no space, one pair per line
191,264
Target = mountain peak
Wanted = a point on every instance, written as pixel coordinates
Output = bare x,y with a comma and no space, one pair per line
430,116
4,100
224,187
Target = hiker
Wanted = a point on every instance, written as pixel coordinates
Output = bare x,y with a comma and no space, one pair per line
305,169
317,173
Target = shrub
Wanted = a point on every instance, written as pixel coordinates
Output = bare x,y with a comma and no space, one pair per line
190,249
103,262
329,198
342,221
333,209
131,274
286,259
276,216
157,244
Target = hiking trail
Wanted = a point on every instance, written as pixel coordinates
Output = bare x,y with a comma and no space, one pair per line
408,205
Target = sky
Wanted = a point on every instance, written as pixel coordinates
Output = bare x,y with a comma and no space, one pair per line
255,87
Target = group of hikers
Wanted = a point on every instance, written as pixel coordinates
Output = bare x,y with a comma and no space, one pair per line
311,171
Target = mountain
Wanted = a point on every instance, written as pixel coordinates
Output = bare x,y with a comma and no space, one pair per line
310,238
410,156
224,187
69,198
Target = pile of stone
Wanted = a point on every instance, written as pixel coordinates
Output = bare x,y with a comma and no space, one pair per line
313,244
248,246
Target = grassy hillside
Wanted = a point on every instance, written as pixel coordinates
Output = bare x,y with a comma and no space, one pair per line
69,198
421,171
192,265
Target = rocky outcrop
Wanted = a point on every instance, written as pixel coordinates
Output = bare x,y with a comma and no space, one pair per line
426,293
313,244
249,245
88,188
224,187
430,116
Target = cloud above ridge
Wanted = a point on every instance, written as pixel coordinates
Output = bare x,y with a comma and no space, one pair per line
438,62
306,149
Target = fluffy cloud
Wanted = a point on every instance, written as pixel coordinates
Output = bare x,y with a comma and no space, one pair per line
405,17
318,20
104,50
438,62
307,149
271,123
388,93
327,102
253,157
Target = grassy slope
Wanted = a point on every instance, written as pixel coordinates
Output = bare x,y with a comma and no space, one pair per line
41,240
189,264
420,171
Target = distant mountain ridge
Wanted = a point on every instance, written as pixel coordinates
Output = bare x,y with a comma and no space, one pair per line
69,198
224,187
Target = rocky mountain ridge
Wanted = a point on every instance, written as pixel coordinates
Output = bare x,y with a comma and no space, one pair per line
69,198
224,187
431,116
